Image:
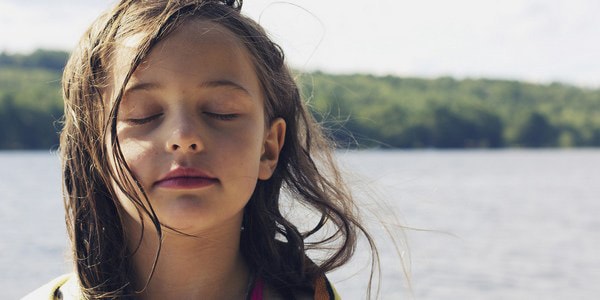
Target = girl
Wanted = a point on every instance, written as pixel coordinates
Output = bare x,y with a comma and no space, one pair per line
185,137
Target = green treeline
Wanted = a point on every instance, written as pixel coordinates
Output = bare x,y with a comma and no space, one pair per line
30,99
356,110
40,59
389,111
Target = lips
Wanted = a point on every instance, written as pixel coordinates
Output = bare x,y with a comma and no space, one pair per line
185,178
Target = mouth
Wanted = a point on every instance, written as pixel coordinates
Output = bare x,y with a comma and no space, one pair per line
185,178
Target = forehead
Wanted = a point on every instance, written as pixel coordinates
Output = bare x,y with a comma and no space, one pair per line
196,50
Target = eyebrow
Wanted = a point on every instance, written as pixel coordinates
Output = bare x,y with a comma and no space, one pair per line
223,83
147,86
142,86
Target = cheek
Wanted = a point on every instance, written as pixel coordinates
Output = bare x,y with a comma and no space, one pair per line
137,154
245,142
133,154
240,151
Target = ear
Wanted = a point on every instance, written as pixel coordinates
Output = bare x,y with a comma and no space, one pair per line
272,145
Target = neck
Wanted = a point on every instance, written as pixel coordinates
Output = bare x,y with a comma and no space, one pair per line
208,265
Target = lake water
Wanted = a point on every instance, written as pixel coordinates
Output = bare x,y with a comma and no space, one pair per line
510,224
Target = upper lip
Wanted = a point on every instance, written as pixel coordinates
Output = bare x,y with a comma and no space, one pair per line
185,172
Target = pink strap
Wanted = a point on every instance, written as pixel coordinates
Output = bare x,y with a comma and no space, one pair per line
257,291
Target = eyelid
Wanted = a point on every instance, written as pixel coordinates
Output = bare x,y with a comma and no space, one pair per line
222,117
142,121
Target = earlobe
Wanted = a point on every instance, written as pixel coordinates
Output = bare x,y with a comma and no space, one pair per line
272,146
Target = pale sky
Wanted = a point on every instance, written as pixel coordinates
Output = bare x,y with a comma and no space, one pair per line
532,40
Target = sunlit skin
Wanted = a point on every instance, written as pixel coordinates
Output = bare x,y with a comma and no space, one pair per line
192,128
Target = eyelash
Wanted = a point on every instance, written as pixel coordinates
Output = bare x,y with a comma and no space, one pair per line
143,121
221,117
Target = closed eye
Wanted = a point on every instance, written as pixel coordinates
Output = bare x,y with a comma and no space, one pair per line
142,121
222,117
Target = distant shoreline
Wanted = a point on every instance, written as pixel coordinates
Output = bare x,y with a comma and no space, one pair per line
357,111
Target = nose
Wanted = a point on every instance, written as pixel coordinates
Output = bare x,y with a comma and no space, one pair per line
185,138
192,147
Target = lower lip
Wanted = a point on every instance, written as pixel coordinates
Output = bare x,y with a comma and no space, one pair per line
186,183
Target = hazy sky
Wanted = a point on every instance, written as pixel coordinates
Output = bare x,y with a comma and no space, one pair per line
533,40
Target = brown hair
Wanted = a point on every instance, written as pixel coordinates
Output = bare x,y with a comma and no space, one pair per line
273,247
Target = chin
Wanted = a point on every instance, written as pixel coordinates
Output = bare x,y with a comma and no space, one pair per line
183,213
192,215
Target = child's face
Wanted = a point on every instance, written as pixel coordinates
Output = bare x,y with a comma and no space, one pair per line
191,127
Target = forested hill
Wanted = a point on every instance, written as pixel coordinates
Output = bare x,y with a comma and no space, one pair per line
449,113
357,110
30,99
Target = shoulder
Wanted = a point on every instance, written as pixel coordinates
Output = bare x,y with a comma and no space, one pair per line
322,290
63,287
325,290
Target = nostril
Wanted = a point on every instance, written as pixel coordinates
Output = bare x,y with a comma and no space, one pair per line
192,147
